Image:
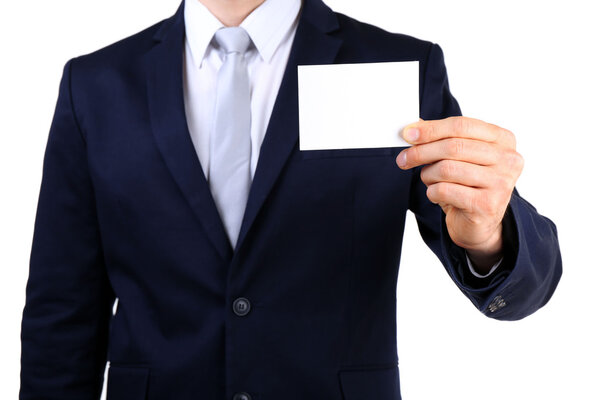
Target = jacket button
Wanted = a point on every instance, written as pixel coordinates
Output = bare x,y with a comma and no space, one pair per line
241,307
242,396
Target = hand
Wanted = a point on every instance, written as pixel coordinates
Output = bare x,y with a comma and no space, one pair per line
471,168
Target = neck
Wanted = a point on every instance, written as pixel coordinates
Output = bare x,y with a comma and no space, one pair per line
231,12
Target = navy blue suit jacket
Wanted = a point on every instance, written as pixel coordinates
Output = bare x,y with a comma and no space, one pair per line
125,211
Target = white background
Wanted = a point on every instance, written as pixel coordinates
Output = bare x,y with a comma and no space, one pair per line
529,66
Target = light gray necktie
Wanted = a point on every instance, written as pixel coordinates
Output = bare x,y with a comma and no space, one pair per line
229,170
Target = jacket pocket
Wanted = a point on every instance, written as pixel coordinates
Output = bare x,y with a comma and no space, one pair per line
369,384
127,383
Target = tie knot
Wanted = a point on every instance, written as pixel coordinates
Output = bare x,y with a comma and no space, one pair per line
233,39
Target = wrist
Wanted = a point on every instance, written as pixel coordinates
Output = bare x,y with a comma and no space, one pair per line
486,255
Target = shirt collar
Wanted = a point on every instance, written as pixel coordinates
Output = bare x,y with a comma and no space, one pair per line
267,26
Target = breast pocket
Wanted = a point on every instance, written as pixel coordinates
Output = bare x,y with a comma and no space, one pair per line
127,383
369,384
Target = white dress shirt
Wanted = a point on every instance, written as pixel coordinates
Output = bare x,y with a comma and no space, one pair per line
271,27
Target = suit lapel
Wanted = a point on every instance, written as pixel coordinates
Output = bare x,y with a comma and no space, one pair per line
312,45
164,68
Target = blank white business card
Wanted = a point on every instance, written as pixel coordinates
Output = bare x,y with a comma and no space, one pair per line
346,106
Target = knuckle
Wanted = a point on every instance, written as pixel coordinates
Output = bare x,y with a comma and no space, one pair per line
454,147
511,139
472,204
460,124
413,155
518,161
447,169
437,193
425,176
515,161
497,132
432,193
427,131
443,190
494,153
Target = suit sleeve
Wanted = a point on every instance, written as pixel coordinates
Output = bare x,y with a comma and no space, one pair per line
68,297
532,265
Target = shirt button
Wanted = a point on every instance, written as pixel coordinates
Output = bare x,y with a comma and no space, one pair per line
242,396
241,307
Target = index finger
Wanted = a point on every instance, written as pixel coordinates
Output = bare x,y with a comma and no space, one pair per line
457,127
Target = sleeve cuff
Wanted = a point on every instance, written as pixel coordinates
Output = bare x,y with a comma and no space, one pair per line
474,273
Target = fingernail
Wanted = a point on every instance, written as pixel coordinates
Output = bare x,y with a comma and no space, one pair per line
401,159
411,134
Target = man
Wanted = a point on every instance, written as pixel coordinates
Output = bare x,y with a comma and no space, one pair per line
293,296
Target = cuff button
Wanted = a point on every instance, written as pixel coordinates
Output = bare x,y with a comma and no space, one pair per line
497,304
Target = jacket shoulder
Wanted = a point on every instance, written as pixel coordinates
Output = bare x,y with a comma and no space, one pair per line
366,40
123,53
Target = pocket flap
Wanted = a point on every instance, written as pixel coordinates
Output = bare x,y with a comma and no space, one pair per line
369,384
127,383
